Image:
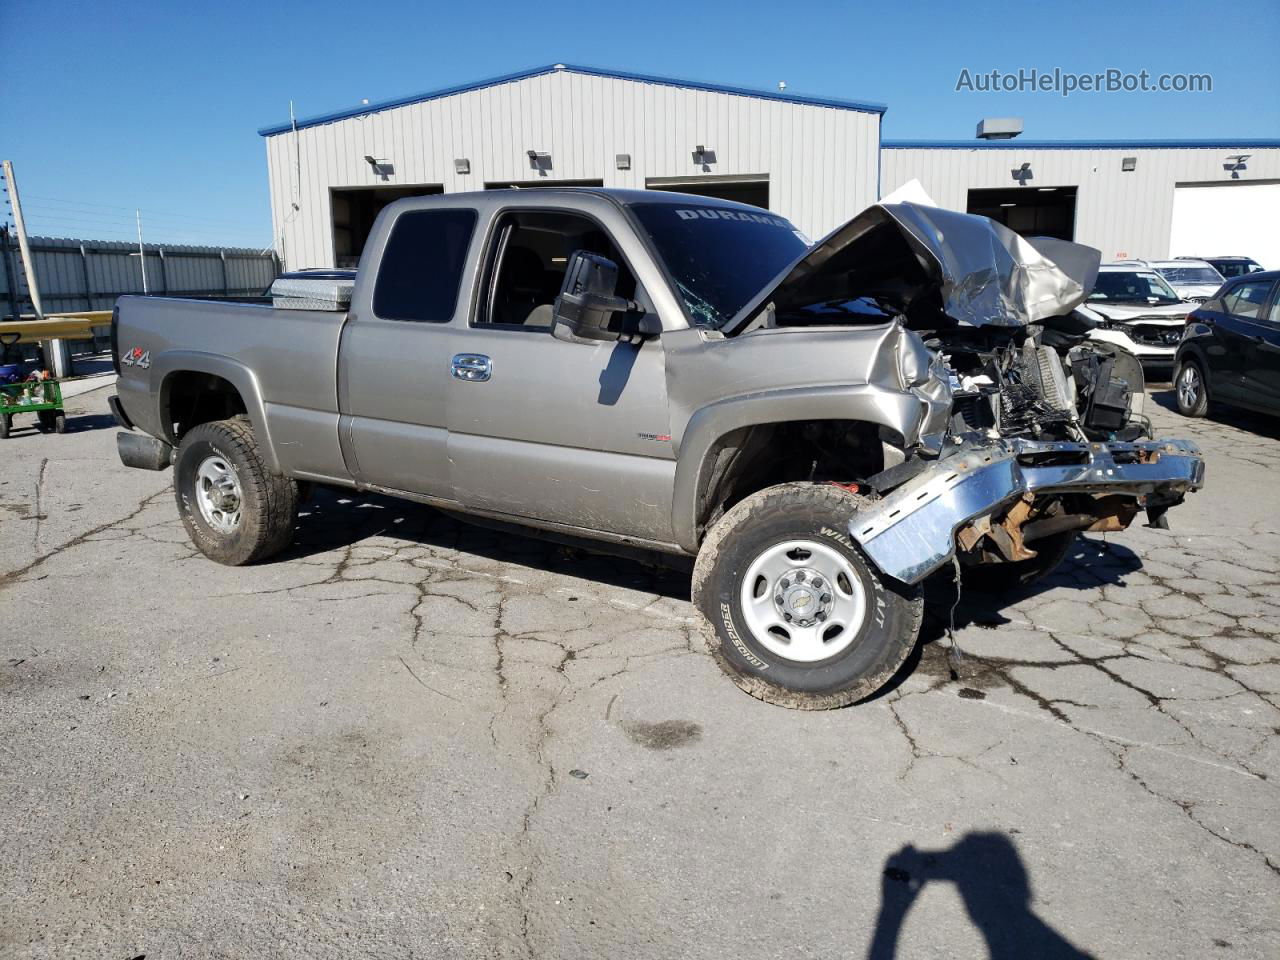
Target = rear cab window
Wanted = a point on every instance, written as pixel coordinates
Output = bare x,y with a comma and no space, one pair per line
421,267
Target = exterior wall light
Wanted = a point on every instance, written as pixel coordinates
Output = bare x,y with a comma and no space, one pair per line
622,161
1128,164
462,165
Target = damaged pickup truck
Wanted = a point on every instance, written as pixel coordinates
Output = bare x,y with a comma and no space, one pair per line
821,427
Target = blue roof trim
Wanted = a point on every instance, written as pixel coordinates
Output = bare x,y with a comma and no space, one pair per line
1015,144
363,109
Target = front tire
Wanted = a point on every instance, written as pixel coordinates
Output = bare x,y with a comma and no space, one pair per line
235,510
792,610
1191,389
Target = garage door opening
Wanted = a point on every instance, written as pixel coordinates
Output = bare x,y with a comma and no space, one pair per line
1029,211
355,209
528,184
1236,218
752,189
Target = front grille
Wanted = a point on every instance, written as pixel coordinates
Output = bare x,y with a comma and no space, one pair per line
1151,335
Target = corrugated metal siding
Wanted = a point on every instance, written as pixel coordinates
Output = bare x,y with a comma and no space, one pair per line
821,161
1117,212
91,274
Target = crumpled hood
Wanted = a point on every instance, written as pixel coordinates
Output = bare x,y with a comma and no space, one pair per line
983,273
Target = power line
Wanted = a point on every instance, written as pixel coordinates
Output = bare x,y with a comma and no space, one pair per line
164,214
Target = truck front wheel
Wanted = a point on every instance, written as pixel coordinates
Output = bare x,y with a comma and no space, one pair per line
235,510
792,610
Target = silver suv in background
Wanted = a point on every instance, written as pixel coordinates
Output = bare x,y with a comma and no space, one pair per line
1135,308
1194,280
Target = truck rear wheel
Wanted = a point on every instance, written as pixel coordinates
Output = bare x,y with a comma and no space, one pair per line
792,610
234,509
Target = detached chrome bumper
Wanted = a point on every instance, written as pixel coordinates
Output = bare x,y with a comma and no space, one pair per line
911,533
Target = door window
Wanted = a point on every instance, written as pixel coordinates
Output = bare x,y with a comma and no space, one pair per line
421,266
527,264
1246,300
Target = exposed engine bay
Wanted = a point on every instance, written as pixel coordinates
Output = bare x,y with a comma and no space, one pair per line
1046,436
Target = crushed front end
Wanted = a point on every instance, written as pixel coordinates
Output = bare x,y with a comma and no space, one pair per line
993,502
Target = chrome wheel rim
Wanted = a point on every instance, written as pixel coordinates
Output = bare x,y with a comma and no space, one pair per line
803,601
1188,387
218,494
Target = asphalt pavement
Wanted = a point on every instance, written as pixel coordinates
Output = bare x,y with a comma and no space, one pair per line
412,738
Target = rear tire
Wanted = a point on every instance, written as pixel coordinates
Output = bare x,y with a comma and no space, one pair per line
235,510
1191,389
60,422
6,425
791,609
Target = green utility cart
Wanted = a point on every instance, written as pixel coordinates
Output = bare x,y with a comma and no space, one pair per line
41,397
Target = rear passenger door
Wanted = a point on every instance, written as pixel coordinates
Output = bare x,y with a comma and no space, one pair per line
572,434
393,361
1245,324
1263,366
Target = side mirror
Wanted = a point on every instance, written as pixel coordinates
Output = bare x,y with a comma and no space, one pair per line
9,339
587,300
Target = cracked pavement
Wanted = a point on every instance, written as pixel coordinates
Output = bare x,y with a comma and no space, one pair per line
410,737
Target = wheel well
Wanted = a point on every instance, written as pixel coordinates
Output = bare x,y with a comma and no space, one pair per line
751,458
191,398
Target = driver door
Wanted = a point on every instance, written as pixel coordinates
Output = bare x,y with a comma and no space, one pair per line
565,434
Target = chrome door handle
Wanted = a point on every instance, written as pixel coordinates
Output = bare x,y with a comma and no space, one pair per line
475,367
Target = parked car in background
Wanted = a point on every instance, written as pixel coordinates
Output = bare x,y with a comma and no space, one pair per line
1231,350
1230,266
1136,308
1194,280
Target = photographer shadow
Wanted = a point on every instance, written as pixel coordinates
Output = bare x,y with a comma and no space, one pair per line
992,880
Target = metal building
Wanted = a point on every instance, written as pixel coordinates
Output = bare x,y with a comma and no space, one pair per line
815,161
1150,199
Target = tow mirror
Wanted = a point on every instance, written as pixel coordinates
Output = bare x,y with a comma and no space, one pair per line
587,301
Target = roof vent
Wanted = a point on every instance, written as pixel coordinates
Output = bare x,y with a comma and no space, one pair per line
999,128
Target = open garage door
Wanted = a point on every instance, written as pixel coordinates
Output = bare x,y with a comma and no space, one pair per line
355,208
1029,211
750,188
1226,220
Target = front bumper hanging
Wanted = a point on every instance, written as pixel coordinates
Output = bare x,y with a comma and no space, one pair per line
912,532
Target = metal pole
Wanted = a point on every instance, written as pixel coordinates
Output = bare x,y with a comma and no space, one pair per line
58,352
142,253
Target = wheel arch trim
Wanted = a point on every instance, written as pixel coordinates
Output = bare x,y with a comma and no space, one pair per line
899,411
168,366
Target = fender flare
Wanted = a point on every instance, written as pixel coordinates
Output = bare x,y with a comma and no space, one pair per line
898,410
171,363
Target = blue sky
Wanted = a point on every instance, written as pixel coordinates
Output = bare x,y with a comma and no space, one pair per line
109,106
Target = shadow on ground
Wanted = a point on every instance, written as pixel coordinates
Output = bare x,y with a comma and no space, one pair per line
992,880
1260,423
333,520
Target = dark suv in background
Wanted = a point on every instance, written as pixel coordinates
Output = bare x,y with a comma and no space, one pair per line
1230,351
1230,267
